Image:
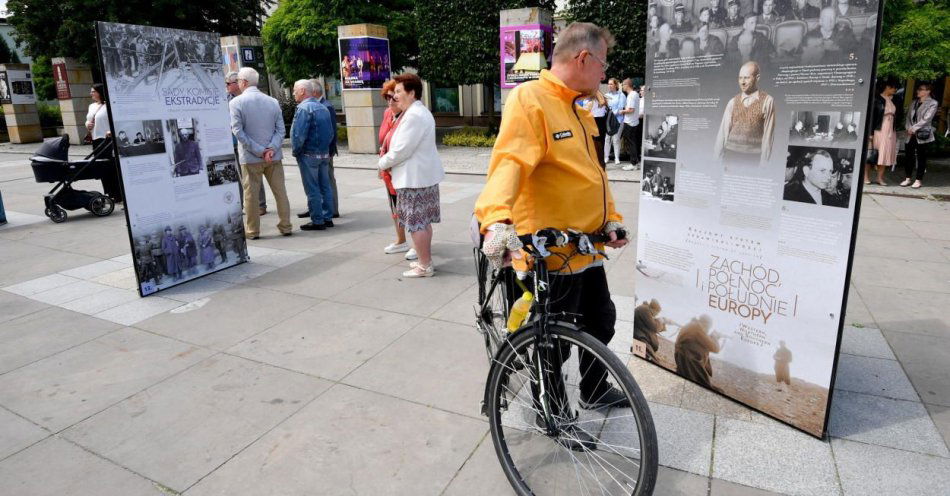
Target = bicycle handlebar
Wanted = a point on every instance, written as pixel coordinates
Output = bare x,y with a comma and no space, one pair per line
542,239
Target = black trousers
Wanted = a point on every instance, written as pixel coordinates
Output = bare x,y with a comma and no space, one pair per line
110,177
586,297
915,157
599,139
628,135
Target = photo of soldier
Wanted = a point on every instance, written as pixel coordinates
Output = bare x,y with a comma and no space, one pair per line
696,340
186,152
681,21
707,44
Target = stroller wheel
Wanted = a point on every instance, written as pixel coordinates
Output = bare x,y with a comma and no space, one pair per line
56,214
101,206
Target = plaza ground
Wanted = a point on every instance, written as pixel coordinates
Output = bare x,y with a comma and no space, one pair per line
318,369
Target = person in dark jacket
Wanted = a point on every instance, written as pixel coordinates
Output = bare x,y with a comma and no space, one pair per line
920,135
812,187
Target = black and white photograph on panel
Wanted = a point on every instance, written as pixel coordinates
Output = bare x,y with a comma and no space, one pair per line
136,138
660,139
185,151
222,170
659,180
4,88
824,128
821,176
140,60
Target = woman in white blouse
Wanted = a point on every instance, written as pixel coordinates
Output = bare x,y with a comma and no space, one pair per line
97,123
416,170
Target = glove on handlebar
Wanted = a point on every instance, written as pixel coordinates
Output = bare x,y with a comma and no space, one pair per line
503,238
617,227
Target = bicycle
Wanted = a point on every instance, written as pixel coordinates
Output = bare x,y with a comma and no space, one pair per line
548,439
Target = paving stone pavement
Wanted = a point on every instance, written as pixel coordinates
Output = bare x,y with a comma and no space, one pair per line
317,369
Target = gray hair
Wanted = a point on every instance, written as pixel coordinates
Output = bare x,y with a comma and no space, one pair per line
581,36
306,85
250,75
231,77
317,87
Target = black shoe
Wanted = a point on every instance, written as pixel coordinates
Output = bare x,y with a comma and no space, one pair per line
288,233
336,216
570,435
310,226
255,237
328,223
613,398
303,215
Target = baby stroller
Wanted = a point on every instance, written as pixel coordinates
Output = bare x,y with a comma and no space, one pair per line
51,165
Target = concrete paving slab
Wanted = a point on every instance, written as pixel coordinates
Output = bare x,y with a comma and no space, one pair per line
321,276
875,376
867,469
327,340
461,309
857,313
123,259
681,447
885,422
719,487
897,247
929,230
941,418
282,258
481,474
390,291
915,209
13,306
195,290
94,270
41,284
135,311
776,459
905,310
229,317
454,257
658,385
122,279
56,467
924,359
241,273
436,363
703,400
674,482
625,306
17,433
63,389
865,341
182,429
886,227
69,292
900,274
20,219
45,333
22,262
390,447
101,301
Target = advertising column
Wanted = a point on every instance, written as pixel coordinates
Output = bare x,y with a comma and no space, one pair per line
747,223
73,81
364,67
169,116
526,39
18,97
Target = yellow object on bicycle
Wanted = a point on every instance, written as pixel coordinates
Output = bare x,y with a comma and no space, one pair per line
519,311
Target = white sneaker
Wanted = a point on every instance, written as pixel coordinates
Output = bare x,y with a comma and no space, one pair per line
419,271
630,167
394,248
411,254
413,265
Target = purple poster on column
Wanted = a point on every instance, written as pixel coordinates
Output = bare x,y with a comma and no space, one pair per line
364,63
525,50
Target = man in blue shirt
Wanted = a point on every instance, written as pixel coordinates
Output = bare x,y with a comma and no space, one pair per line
310,136
320,95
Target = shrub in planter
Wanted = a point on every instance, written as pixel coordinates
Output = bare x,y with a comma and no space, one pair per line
469,136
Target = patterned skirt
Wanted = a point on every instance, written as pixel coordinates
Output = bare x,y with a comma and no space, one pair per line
418,207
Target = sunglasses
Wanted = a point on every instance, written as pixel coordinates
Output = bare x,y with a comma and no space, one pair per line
388,97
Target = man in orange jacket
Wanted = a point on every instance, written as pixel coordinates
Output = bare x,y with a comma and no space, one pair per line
544,172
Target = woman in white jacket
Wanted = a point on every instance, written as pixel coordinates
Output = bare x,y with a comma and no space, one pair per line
416,170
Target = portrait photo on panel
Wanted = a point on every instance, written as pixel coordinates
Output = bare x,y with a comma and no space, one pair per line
136,138
661,136
748,123
186,153
820,176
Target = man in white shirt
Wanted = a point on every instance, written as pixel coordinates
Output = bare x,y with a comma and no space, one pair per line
748,123
631,124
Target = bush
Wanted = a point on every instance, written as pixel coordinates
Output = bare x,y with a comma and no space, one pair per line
340,134
50,115
470,136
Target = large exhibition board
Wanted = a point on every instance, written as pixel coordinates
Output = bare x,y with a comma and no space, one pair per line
168,109
752,144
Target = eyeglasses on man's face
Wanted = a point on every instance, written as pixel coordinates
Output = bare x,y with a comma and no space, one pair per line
603,63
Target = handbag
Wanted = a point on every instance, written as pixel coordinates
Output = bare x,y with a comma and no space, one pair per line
872,157
613,125
924,134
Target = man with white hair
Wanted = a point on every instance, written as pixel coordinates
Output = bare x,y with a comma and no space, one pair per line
310,136
258,125
231,84
321,97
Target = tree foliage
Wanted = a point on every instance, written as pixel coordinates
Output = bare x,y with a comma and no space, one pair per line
6,54
300,38
459,39
67,27
916,39
626,20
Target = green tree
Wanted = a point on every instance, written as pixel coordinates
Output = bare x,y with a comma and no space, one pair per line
627,21
43,82
915,42
7,55
300,38
459,41
67,27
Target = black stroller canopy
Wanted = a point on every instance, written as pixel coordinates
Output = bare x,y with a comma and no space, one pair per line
54,148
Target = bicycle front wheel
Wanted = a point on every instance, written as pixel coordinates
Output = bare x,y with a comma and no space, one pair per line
553,428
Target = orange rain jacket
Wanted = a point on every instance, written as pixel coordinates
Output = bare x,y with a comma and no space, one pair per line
544,170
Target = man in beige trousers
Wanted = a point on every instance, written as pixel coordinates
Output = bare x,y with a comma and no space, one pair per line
258,125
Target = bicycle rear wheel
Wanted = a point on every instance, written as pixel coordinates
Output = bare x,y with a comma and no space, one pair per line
606,451
494,302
